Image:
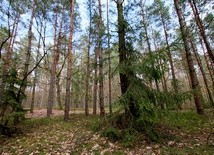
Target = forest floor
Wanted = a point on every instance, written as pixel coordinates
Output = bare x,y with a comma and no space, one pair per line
184,132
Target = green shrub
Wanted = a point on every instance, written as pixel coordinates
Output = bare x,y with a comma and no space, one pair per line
112,134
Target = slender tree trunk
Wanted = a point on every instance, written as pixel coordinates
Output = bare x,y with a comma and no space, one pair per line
203,73
54,67
58,93
35,76
101,75
109,60
88,63
174,83
146,33
193,76
59,41
28,55
209,67
95,83
163,79
201,29
8,56
69,68
15,30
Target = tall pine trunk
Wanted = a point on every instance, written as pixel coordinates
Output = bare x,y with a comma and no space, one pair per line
88,63
101,75
192,72
209,67
23,85
59,42
69,67
174,81
53,68
35,72
145,27
95,83
109,60
201,29
202,72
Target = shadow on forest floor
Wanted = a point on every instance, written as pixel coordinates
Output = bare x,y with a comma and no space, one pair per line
188,132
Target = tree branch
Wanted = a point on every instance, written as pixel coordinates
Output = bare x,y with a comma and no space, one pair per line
2,44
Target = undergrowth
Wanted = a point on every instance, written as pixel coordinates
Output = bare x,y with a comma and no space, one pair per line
163,129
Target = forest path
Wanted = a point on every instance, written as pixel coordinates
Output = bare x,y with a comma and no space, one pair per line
41,113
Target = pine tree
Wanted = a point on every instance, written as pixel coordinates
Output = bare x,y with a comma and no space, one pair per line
192,72
69,67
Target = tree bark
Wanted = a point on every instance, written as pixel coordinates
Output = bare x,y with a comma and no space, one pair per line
95,83
54,67
193,76
174,83
101,75
209,67
35,72
59,41
25,73
88,63
69,68
201,29
109,61
202,72
122,47
163,79
132,107
146,34
8,57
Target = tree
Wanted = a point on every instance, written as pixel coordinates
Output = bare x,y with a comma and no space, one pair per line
197,56
101,76
54,65
159,9
109,60
201,28
95,82
36,72
69,67
88,60
29,50
192,72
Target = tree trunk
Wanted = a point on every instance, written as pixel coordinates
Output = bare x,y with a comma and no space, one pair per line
202,72
193,76
201,29
59,41
95,83
54,67
8,56
132,108
69,68
122,48
101,75
174,83
88,64
28,55
146,34
109,61
35,76
209,67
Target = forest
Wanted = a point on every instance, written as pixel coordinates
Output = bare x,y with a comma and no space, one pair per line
107,77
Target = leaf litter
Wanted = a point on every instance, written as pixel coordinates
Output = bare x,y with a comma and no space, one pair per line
53,136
